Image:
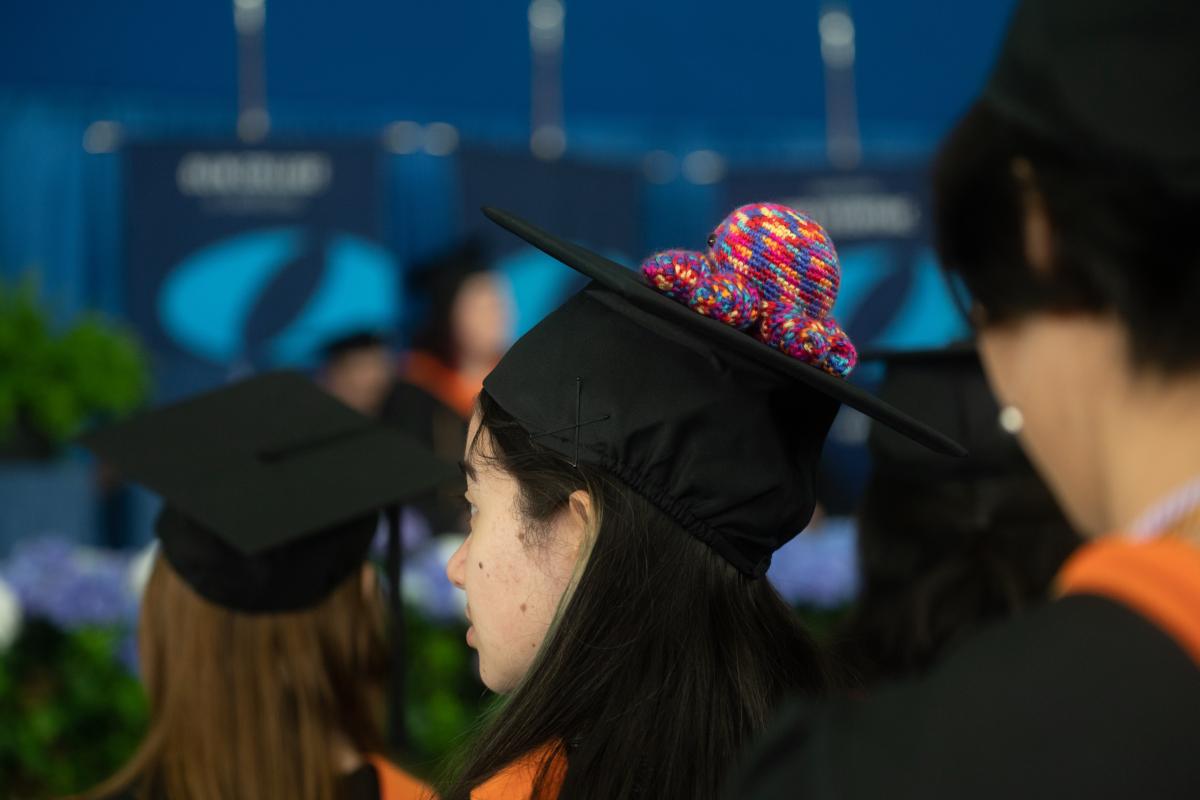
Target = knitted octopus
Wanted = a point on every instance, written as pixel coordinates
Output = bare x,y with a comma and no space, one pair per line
770,271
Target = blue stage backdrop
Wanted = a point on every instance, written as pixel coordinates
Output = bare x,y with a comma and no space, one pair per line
242,257
594,204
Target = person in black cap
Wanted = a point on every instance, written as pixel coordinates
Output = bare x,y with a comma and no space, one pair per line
632,464
359,369
468,325
1066,203
945,546
261,637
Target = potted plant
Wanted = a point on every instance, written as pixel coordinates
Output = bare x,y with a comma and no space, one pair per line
54,381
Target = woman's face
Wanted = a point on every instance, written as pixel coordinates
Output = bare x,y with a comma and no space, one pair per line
482,316
513,586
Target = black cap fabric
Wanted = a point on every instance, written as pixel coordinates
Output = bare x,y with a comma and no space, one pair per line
272,487
717,430
1109,76
723,338
946,386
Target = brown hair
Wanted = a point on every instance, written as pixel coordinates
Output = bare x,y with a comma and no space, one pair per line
249,706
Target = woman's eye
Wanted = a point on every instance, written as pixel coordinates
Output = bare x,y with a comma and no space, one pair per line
472,509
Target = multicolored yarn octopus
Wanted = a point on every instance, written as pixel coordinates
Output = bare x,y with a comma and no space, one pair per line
770,271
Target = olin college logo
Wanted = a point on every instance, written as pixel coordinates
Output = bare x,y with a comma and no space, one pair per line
275,295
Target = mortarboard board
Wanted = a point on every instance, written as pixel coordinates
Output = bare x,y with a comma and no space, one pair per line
272,488
717,429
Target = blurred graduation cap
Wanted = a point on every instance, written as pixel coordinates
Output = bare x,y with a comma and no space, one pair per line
272,488
946,387
273,492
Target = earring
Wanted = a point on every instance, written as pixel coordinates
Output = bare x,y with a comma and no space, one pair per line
1012,420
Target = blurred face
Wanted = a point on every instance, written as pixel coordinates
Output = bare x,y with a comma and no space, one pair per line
513,586
1062,372
482,316
361,378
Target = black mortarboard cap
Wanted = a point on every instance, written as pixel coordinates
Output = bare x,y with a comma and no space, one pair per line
272,488
717,430
946,386
1107,76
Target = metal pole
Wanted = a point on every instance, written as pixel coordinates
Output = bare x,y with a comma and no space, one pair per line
548,138
249,18
843,141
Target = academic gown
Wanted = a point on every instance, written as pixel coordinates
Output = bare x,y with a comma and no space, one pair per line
1095,695
432,422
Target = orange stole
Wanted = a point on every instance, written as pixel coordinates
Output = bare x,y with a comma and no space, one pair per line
1159,579
396,784
515,782
426,372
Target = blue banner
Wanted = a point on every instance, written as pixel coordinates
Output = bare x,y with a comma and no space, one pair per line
244,257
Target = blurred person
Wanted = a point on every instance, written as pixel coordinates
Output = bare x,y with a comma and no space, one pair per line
359,369
946,546
261,637
469,324
633,463
1066,205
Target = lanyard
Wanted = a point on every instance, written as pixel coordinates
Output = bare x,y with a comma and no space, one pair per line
1170,513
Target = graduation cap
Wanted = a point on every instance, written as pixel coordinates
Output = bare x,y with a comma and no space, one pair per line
992,489
273,489
718,429
1107,77
944,386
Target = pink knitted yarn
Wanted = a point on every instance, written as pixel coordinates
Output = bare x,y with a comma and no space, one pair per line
769,270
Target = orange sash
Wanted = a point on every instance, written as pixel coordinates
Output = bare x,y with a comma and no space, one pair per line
426,372
515,782
396,784
1159,579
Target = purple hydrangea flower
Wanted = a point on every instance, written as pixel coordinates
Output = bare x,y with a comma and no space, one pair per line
415,531
820,566
71,586
426,586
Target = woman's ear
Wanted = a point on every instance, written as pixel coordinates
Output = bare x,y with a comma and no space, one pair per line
581,518
1035,221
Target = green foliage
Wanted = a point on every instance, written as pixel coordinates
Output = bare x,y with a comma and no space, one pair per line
444,695
70,712
57,381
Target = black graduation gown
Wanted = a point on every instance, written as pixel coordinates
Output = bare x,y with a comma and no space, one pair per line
421,415
362,784
1082,698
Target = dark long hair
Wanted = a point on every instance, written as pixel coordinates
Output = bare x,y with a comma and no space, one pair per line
941,559
1123,241
663,662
